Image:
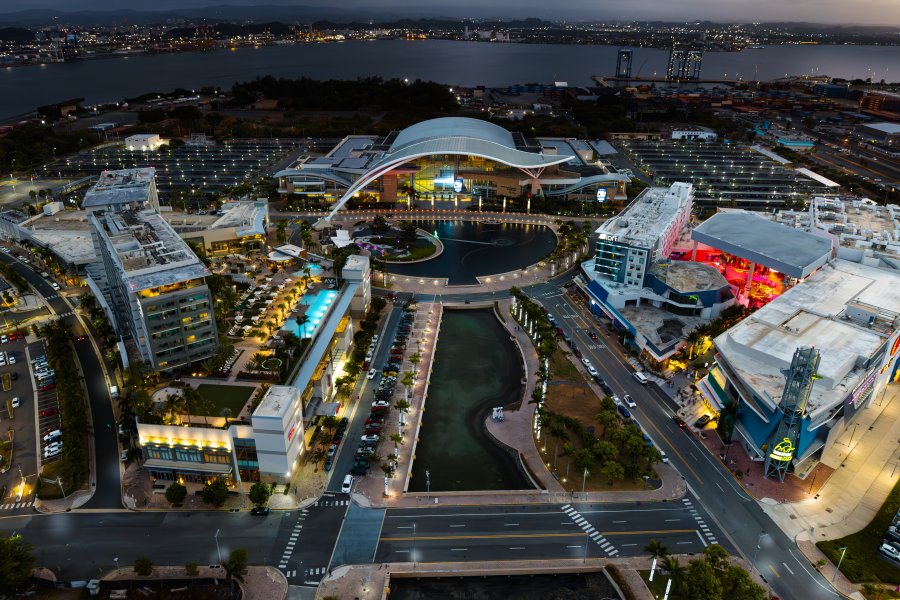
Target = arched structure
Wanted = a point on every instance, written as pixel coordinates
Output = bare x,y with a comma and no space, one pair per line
452,157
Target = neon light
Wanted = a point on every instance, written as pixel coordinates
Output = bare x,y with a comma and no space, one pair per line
783,451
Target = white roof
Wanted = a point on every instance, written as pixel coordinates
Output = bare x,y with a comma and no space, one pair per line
814,313
649,215
449,127
885,127
279,399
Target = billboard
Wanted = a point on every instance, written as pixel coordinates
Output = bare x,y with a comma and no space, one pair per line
601,194
458,185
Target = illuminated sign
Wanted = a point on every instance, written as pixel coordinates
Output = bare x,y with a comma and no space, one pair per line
291,433
458,185
784,451
601,194
863,390
896,346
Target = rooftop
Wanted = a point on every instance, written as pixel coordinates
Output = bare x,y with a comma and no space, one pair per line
890,128
649,215
829,311
148,252
685,277
120,187
784,249
279,399
247,217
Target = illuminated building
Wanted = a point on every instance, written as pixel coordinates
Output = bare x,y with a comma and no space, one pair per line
152,287
849,313
241,229
452,159
631,280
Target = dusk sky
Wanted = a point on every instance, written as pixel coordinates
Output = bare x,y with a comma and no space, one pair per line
876,12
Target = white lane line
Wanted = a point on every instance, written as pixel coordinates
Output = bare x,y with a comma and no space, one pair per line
624,545
402,551
788,568
627,521
404,526
687,542
719,486
457,526
573,546
701,539
672,520
510,524
458,549
517,547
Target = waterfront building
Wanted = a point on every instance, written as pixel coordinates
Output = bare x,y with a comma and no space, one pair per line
452,159
850,313
152,287
240,228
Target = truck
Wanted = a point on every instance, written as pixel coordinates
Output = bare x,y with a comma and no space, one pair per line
114,392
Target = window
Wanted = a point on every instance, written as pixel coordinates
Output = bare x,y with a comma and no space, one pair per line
187,455
159,453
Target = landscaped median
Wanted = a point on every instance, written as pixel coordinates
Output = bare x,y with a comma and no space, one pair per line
862,561
73,467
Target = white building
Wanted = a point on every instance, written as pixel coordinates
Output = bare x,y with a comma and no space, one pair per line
356,270
143,142
695,133
126,188
278,432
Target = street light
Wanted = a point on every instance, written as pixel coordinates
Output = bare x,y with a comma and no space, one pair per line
762,534
218,551
837,569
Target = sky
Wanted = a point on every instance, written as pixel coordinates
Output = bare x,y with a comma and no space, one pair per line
874,12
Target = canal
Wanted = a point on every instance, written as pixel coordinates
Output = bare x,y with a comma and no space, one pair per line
476,368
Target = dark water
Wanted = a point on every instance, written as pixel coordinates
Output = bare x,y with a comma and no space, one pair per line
476,368
454,63
472,249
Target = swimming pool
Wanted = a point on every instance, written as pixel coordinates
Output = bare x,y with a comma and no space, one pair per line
318,307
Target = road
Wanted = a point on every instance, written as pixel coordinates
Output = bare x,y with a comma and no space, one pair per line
542,531
712,486
108,493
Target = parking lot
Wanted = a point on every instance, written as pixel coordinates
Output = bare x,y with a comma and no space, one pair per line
17,385
47,402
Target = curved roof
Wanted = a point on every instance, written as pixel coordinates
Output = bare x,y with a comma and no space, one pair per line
449,127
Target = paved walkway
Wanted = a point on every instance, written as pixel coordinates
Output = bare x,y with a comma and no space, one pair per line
260,583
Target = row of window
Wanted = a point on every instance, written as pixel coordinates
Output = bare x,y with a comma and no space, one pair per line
187,455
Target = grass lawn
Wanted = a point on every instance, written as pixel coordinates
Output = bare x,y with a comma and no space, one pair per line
232,397
658,585
50,491
562,368
579,401
863,562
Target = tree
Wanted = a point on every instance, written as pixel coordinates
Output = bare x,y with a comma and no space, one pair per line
607,419
236,564
16,563
604,451
559,433
716,556
143,566
397,439
613,470
656,549
259,493
176,493
191,569
675,570
736,583
701,582
215,493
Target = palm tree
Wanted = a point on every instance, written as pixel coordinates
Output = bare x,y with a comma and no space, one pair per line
409,378
282,307
675,571
568,452
656,549
397,439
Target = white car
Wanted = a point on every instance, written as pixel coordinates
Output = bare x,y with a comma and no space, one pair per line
592,370
12,359
585,362
629,401
375,339
369,355
54,285
370,438
16,403
372,373
617,400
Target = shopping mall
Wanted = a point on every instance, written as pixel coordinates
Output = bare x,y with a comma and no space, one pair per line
455,159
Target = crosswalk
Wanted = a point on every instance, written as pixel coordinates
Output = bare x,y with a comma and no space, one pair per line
15,505
292,539
65,314
332,503
706,535
589,530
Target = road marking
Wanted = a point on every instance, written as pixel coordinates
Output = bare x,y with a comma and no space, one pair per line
567,523
457,526
788,568
510,524
458,549
517,547
687,542
480,537
624,545
578,546
667,520
627,521
774,571
404,526
719,486
402,551
701,539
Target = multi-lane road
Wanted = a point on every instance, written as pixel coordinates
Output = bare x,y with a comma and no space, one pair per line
716,509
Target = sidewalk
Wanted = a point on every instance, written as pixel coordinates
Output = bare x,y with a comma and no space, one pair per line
864,459
260,582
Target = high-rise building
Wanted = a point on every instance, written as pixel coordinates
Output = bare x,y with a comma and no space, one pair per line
126,188
153,287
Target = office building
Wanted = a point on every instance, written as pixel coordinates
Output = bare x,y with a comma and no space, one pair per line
880,134
122,189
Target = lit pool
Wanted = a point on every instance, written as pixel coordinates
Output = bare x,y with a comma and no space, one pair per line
318,307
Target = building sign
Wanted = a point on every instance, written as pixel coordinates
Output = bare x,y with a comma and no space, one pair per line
601,194
458,185
784,451
291,433
863,390
896,346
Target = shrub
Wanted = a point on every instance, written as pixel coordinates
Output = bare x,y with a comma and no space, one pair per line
143,566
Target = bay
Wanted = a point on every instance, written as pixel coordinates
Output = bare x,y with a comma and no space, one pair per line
22,89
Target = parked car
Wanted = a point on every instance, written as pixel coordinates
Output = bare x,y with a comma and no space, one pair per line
332,449
576,352
624,411
16,403
679,421
703,421
53,436
357,471
629,401
370,438
327,464
260,511
49,412
372,373
586,362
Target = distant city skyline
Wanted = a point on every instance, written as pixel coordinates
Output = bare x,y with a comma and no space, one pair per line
838,12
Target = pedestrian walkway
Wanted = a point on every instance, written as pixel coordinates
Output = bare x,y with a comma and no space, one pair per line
589,530
17,505
292,540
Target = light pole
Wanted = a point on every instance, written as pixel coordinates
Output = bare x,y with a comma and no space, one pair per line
414,546
762,534
116,559
837,569
218,551
584,480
